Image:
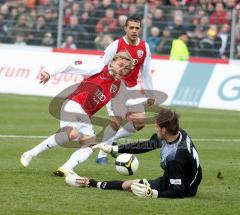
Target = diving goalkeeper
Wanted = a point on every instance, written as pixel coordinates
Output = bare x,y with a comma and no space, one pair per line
179,160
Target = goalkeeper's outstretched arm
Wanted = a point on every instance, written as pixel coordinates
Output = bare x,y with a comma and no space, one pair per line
132,148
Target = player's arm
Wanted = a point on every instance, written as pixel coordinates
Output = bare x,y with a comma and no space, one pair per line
109,52
86,69
146,76
131,148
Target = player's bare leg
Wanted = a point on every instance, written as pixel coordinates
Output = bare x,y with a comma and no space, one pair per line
136,121
77,157
108,137
62,137
107,185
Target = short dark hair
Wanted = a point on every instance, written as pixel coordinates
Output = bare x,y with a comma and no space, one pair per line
168,119
133,18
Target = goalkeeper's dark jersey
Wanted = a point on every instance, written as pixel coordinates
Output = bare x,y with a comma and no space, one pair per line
179,160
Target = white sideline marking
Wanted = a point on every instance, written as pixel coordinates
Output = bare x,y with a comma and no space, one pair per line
196,139
22,136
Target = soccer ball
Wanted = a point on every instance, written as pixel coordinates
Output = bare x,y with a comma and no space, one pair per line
126,164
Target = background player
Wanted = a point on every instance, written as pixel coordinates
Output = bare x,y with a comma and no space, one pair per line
140,52
91,95
179,160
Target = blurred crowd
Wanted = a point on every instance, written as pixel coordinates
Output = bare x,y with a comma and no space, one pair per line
93,24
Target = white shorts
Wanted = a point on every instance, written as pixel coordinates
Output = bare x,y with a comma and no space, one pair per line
72,115
125,101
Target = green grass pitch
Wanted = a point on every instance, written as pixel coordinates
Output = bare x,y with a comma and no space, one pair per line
35,191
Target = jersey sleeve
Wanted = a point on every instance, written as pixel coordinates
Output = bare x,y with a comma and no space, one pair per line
140,146
174,173
109,52
146,75
86,69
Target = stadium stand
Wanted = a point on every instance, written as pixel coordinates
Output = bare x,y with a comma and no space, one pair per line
93,24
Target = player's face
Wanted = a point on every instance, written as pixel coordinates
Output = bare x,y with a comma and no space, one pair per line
132,30
121,67
159,131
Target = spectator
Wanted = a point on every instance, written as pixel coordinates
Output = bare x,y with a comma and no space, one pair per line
97,13
189,17
177,27
230,4
153,40
79,33
132,10
158,19
120,8
3,29
75,8
164,46
22,28
210,8
13,17
224,34
218,16
87,23
48,40
179,50
4,10
119,32
140,6
197,35
106,4
67,15
108,23
69,43
228,17
200,14
203,23
19,39
102,41
38,30
209,46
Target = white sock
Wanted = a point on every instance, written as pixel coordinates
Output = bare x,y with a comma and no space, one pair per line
78,157
108,134
51,142
127,130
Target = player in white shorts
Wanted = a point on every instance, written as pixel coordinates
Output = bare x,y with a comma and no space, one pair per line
135,115
91,95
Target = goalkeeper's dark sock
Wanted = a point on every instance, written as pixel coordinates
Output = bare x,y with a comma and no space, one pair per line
106,185
93,183
111,185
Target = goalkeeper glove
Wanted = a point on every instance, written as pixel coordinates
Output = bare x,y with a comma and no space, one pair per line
144,190
111,149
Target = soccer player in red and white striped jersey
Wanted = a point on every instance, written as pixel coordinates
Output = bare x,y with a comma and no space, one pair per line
92,94
140,52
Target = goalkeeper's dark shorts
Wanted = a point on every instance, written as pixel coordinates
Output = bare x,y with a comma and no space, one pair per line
157,184
161,185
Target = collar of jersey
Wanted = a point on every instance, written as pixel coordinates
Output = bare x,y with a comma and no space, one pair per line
124,38
178,139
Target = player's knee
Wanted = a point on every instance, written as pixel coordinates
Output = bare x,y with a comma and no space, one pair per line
138,120
87,140
115,122
73,134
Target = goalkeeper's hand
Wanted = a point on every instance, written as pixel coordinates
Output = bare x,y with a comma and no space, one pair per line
111,149
144,190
